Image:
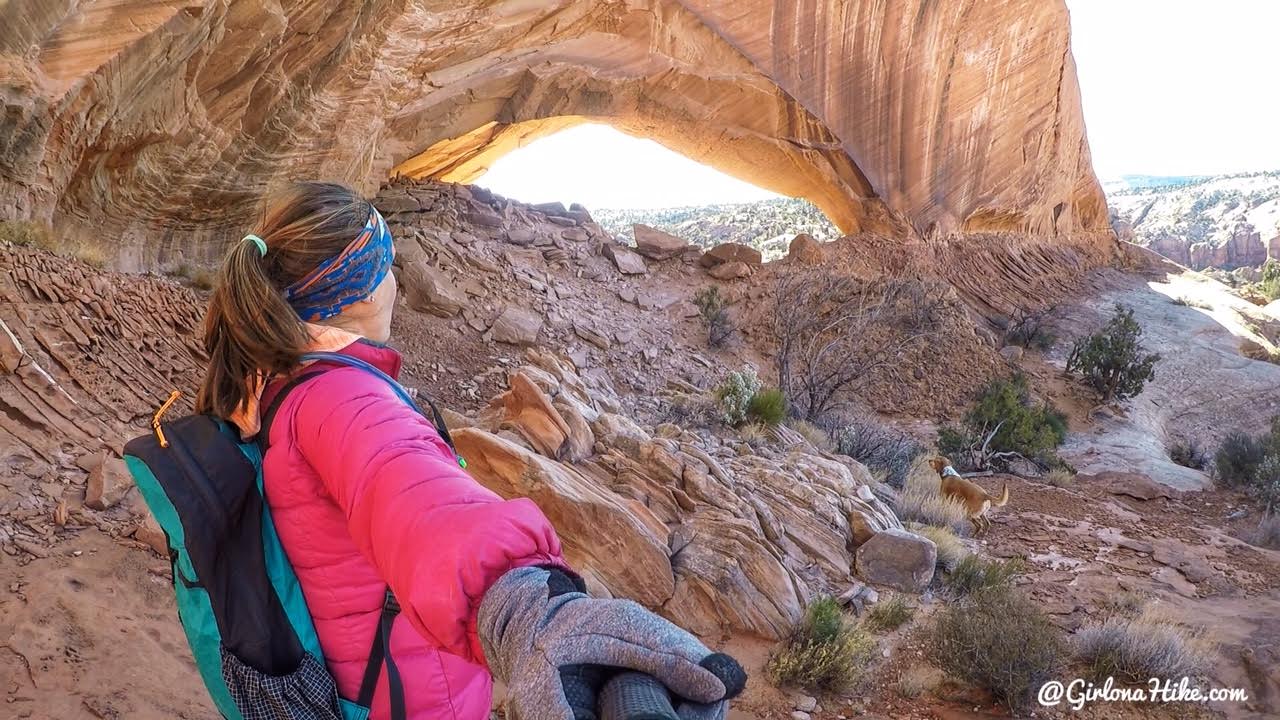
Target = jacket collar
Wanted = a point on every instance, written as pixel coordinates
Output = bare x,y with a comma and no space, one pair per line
324,338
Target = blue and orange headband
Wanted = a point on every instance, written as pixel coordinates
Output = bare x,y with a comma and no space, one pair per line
347,278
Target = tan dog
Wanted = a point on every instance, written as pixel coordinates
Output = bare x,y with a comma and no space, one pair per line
976,501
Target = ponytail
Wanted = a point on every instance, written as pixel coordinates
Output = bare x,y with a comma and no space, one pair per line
250,331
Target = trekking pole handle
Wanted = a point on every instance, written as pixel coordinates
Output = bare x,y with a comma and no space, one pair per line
627,695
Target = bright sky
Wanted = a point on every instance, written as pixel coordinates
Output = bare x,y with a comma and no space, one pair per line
1179,87
603,168
1171,87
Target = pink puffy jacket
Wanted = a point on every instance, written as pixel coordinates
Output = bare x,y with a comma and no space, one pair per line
365,494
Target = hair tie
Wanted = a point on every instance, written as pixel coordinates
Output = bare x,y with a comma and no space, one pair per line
262,244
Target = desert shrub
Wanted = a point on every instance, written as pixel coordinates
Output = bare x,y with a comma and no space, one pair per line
1270,283
889,614
1058,477
1238,458
974,574
1267,534
998,640
714,311
735,393
24,233
1005,424
921,500
950,550
1112,361
1127,604
1029,329
834,332
768,407
879,446
814,434
1252,464
1137,649
691,410
1188,453
824,653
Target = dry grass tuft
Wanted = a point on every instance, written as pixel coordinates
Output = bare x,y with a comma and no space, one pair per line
816,436
1267,534
1059,477
921,500
950,550
889,614
918,680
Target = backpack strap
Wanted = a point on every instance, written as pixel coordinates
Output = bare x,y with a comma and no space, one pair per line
378,654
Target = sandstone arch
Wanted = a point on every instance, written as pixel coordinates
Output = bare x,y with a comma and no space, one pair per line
155,123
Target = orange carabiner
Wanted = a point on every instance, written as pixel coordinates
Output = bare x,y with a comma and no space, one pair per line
155,420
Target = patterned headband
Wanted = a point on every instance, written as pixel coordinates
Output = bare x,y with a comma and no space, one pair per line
346,278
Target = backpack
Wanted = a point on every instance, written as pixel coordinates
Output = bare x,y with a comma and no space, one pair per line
238,597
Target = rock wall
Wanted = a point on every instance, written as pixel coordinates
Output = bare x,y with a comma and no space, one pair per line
153,125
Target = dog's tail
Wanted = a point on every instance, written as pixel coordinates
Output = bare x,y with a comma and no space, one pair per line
1004,497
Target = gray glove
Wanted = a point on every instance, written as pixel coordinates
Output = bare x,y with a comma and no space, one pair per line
536,625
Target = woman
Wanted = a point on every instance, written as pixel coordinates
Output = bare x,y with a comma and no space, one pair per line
366,496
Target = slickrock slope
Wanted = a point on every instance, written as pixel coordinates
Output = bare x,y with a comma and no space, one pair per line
153,125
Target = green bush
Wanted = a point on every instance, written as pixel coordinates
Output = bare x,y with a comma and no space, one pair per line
735,393
714,311
768,407
1015,424
1001,641
1112,361
825,653
973,575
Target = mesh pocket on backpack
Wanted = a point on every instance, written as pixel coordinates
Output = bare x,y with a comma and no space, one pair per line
308,693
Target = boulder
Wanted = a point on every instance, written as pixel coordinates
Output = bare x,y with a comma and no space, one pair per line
731,252
730,271
1012,353
520,236
804,249
897,559
108,484
516,326
389,203
428,290
656,244
627,262
610,537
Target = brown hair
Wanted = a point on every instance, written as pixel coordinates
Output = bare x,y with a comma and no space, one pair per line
249,328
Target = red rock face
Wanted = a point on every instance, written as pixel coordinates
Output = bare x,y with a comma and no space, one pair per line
904,117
